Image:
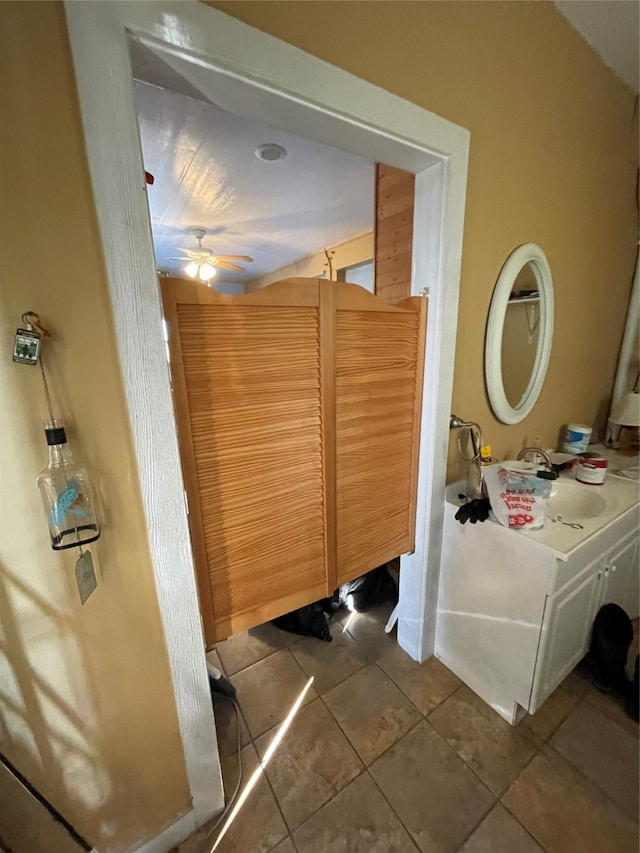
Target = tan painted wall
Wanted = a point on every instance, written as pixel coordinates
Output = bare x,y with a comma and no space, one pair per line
343,255
553,161
87,711
86,707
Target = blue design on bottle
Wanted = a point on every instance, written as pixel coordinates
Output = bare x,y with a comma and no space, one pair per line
64,505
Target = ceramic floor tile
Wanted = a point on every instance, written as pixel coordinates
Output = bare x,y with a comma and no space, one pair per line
552,713
259,825
494,749
247,647
267,690
285,846
604,752
613,708
329,663
433,792
357,820
372,711
313,763
565,813
227,727
427,684
368,630
500,832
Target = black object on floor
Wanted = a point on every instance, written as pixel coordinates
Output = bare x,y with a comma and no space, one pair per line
309,621
370,590
607,657
218,684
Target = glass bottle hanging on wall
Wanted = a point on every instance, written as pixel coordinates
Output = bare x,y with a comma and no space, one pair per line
66,494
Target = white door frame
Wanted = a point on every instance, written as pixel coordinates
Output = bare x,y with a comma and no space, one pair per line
253,74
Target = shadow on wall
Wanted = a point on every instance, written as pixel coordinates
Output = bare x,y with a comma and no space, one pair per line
48,714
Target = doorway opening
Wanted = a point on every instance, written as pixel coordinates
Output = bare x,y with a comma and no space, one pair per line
253,74
308,212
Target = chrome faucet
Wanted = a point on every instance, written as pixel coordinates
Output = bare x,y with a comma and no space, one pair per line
536,455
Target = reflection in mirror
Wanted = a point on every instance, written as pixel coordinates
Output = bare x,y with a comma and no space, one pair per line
520,335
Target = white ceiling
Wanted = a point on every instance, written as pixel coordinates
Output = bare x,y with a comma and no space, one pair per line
207,175
612,28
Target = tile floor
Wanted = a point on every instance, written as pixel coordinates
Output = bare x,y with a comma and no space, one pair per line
387,755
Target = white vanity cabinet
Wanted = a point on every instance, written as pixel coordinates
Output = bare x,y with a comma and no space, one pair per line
515,610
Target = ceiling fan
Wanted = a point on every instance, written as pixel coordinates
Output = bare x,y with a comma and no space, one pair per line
202,263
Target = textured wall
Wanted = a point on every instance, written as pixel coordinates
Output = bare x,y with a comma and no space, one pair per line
553,161
87,711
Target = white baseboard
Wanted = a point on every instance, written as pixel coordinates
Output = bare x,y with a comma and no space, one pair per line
175,833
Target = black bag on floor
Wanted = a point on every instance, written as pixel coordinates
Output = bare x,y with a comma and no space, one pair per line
309,621
610,640
607,658
370,590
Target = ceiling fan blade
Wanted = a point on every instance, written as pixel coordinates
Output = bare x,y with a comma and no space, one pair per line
226,266
244,258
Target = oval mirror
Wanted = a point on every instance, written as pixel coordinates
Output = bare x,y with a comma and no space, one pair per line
519,333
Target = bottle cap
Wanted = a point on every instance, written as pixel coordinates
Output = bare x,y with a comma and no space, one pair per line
55,435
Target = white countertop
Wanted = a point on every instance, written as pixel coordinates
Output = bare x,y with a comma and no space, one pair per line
621,495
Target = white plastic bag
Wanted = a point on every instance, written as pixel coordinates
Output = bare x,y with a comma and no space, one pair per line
517,495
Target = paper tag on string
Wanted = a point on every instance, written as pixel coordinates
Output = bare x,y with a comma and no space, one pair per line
26,347
85,576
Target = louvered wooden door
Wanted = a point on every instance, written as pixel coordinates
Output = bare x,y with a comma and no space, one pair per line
298,416
379,367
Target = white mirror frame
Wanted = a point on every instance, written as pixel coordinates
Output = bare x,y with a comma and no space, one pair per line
532,254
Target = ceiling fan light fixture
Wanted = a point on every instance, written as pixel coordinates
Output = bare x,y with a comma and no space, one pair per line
191,269
207,271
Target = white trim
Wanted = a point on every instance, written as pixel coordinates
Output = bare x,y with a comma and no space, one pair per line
105,87
171,836
532,254
255,75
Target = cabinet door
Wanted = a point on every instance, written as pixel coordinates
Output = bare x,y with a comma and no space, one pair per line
620,577
566,629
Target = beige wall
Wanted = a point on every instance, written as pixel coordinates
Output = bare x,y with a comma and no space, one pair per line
345,254
553,161
87,711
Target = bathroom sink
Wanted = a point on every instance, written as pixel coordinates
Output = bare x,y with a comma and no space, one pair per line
574,501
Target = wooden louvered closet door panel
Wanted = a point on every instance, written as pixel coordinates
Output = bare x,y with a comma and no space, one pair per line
379,351
248,392
298,411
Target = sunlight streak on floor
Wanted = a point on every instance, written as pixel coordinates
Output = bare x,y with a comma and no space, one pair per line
255,776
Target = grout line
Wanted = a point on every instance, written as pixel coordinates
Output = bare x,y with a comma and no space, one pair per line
253,663
360,773
590,783
404,692
384,797
496,797
395,684
477,825
518,821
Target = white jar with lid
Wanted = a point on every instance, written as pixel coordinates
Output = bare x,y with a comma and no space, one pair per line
576,440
